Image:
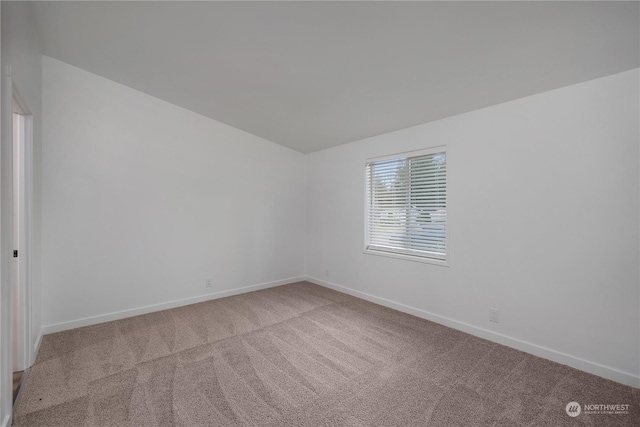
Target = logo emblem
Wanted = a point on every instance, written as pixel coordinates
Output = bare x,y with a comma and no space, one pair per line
573,409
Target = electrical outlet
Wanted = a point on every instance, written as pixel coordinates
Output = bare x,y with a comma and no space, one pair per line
326,273
209,283
494,315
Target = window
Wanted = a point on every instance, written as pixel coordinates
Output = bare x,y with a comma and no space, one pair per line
406,212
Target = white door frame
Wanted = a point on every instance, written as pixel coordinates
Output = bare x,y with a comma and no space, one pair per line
6,160
6,242
23,345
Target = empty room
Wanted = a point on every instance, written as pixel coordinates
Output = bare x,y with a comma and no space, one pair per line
320,213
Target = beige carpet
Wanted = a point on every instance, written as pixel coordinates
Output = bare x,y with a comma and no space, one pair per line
300,355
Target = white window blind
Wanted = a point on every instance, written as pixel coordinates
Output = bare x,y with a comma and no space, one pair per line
407,204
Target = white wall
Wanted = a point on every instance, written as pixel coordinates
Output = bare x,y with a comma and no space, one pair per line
143,200
543,209
20,51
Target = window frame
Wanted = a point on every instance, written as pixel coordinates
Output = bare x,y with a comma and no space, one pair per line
441,261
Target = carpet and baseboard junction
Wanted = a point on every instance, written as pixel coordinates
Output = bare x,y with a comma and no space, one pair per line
302,355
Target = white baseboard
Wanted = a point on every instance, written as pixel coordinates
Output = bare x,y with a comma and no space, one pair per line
6,421
93,320
537,350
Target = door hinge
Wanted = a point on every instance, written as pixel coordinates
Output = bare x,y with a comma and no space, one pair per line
15,253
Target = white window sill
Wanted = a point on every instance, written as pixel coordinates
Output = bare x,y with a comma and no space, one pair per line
434,261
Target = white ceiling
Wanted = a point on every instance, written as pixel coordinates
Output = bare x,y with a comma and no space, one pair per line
311,75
